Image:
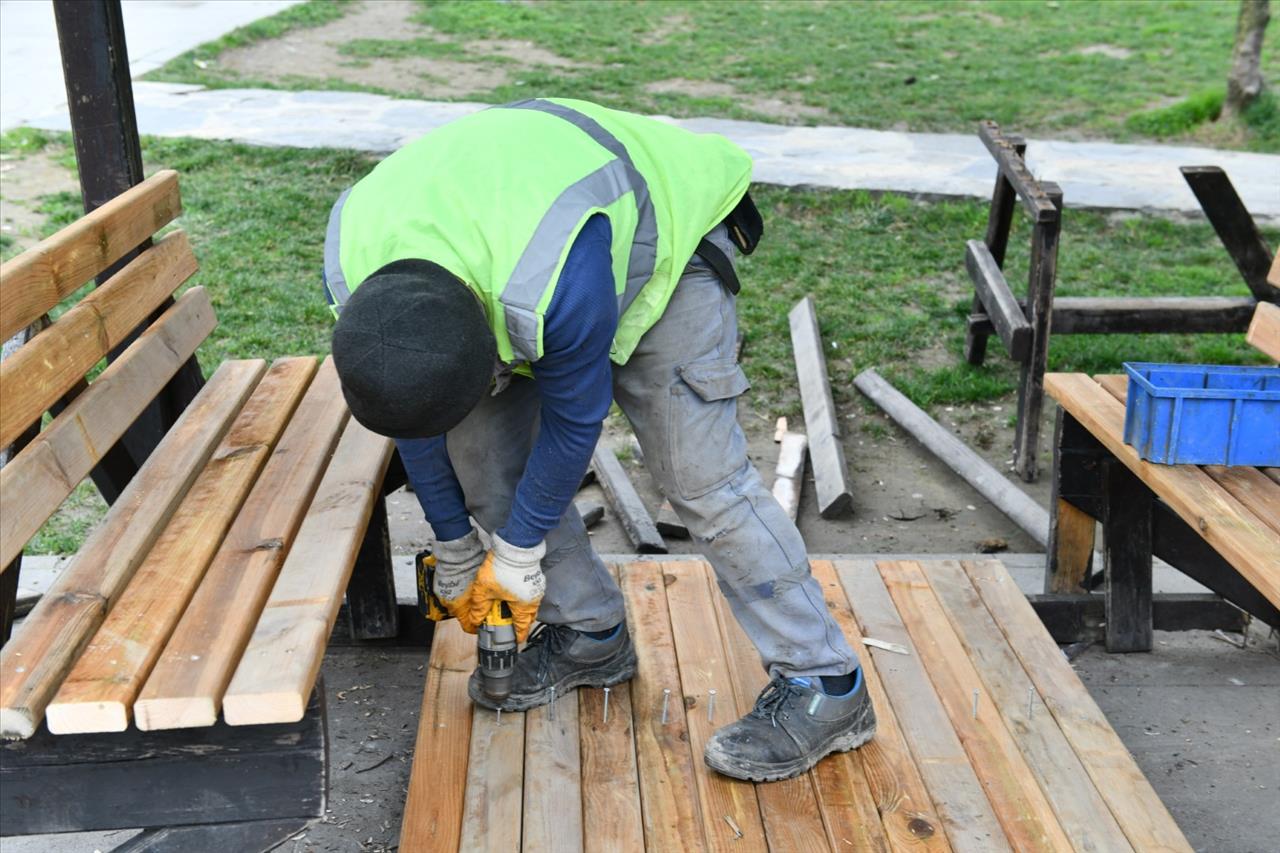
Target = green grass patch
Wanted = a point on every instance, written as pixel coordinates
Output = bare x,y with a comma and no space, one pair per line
1047,68
65,532
1179,118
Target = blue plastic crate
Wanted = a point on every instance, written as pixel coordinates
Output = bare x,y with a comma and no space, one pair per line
1203,414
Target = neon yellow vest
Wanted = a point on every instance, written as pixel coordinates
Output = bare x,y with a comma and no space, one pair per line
498,197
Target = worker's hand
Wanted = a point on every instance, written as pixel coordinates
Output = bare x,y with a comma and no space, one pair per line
457,562
514,575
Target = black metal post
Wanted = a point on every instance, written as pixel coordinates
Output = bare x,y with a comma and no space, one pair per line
95,65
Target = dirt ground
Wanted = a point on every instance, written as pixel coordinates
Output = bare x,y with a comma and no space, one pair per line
22,181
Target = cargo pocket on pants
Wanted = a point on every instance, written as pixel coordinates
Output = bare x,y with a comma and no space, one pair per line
707,447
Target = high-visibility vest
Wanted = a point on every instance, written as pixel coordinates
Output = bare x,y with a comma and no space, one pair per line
498,197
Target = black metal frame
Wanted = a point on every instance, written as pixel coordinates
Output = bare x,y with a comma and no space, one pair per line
1137,526
1025,326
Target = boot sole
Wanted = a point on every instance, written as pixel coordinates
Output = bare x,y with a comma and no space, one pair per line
752,772
598,677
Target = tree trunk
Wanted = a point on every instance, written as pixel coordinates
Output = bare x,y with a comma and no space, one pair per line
1245,80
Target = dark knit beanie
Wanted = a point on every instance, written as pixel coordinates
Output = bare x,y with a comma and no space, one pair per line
413,350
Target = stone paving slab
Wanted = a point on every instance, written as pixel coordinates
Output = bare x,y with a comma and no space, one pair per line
1092,174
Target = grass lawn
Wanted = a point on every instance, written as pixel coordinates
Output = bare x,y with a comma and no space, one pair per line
1121,69
887,274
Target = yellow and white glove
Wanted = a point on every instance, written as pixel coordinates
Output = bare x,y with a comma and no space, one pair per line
514,575
457,562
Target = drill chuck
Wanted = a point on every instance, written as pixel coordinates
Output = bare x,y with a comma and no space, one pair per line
497,653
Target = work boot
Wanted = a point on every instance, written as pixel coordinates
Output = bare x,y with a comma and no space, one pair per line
791,728
560,657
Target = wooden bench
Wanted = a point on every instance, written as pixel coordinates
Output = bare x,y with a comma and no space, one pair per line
200,608
1218,525
987,740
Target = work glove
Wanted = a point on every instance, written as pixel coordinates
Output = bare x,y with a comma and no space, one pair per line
512,574
457,562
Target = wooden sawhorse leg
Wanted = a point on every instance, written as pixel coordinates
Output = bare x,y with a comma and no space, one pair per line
1126,530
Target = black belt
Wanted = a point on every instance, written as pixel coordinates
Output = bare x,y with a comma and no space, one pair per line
745,227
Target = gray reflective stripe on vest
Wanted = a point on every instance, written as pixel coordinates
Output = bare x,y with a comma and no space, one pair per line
334,280
532,274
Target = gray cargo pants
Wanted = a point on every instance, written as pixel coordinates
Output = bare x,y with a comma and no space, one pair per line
679,390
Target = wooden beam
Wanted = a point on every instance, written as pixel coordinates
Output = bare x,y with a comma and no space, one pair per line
1109,315
1042,277
999,219
40,372
38,279
280,663
1072,541
1078,807
788,480
1034,199
1236,228
1126,537
1133,802
626,503
1230,527
98,693
438,779
703,668
186,686
33,662
668,523
553,774
1081,617
1264,330
975,470
821,424
997,298
668,790
953,786
42,476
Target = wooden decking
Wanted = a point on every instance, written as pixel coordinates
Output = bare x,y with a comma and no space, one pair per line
987,740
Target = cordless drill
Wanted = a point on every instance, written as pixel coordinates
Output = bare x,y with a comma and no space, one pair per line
495,639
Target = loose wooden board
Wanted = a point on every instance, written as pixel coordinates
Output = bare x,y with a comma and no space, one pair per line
821,425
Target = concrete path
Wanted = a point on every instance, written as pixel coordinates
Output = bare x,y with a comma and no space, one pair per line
156,30
1092,174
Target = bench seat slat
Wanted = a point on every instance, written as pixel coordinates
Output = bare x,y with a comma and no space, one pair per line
35,281
98,694
279,666
42,649
41,477
186,686
1145,820
44,368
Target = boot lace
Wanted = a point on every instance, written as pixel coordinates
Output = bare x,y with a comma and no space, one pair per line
774,698
546,641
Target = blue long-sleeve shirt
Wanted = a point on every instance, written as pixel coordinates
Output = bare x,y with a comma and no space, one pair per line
575,387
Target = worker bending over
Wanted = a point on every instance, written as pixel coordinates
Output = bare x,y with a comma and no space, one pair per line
498,283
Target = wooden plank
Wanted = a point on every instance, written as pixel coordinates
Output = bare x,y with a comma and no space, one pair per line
98,694
1110,315
491,811
967,816
958,456
1027,817
1003,149
438,780
67,450
626,503
701,660
790,807
41,651
280,663
553,775
821,424
1226,524
1079,808
1273,274
43,370
998,300
1132,801
1251,487
610,793
898,793
999,218
50,271
1264,329
186,686
668,791
789,472
1236,229
668,523
1073,537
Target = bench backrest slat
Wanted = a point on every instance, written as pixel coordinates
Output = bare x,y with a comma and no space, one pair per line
42,370
34,661
37,481
41,277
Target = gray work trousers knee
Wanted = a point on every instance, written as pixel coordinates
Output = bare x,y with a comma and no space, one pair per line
679,390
